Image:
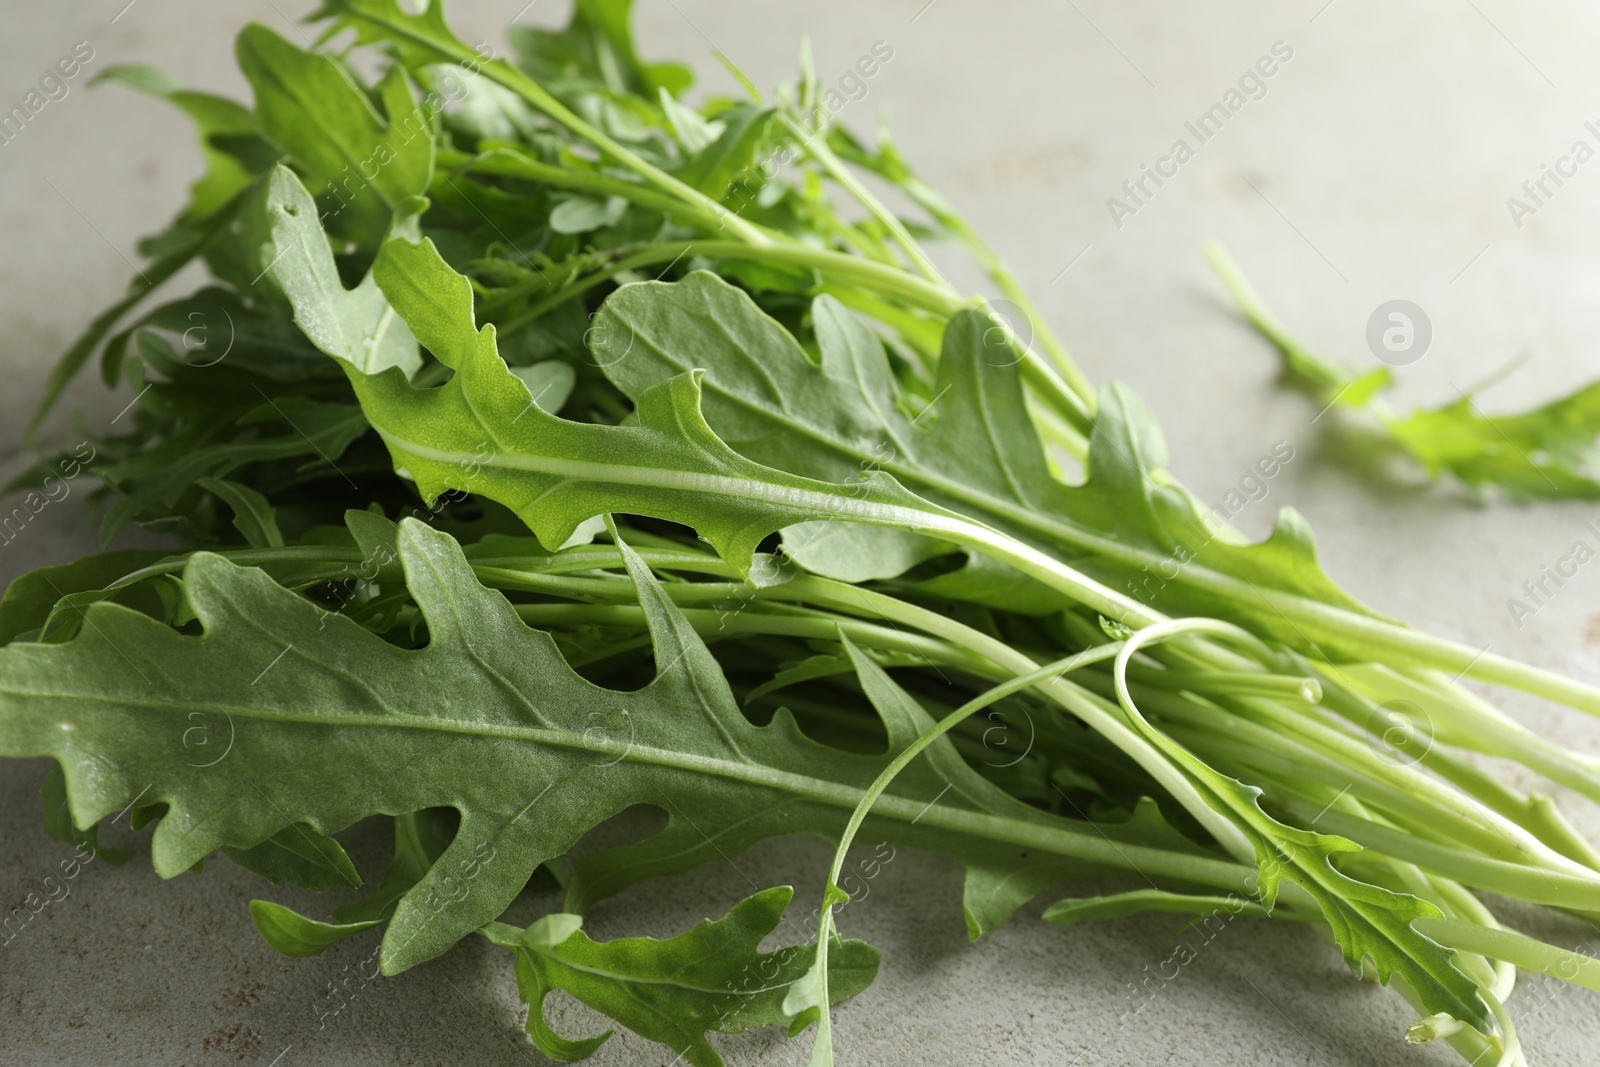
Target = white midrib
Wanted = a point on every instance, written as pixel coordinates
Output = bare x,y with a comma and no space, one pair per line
1088,845
815,503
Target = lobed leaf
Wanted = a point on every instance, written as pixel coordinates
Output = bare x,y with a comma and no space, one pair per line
330,724
713,977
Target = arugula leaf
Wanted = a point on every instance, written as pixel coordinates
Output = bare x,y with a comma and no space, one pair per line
311,107
581,214
1552,451
482,432
693,130
300,855
159,475
57,819
596,46
746,133
356,326
252,513
30,598
234,150
713,977
316,746
296,936
838,418
854,553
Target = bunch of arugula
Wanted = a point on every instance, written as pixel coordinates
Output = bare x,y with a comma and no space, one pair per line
568,449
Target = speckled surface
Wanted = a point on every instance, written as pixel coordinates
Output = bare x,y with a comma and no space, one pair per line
1376,165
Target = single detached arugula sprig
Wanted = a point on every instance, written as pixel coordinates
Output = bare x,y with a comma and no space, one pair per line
1552,451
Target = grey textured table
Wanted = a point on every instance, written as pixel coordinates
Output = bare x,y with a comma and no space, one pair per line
1374,164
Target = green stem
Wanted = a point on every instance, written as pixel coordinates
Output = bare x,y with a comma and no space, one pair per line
1236,683
832,892
713,623
509,77
1475,724
1514,948
954,635
1283,754
1536,885
508,163
1001,275
873,275
1105,719
817,148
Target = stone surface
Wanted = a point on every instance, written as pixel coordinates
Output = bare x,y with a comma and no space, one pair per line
1375,166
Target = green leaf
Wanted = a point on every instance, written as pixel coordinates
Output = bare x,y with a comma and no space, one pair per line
234,151
417,845
1329,382
356,326
29,599
1552,451
487,719
296,936
746,131
58,819
310,106
222,335
160,474
549,383
597,46
692,129
480,432
851,552
581,214
974,450
713,977
253,516
301,856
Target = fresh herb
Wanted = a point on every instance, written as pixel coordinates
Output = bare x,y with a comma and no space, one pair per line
1552,451
546,447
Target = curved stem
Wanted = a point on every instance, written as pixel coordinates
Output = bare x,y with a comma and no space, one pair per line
818,978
